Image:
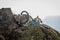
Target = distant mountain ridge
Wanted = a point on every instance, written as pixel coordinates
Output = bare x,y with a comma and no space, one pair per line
53,21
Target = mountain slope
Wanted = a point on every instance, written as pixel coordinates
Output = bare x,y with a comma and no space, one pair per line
43,32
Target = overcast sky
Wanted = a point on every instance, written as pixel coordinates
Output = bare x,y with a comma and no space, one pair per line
42,8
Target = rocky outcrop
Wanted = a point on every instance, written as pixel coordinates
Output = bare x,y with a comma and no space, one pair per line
12,28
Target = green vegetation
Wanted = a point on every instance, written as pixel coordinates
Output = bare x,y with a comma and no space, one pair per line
39,33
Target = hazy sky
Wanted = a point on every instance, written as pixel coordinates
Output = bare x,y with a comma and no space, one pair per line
41,8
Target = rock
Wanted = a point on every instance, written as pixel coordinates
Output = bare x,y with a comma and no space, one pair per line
12,28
